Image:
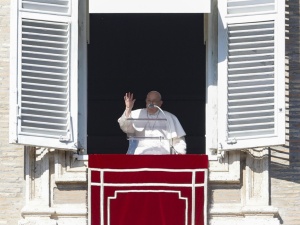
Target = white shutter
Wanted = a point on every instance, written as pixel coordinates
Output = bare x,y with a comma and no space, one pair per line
251,76
46,107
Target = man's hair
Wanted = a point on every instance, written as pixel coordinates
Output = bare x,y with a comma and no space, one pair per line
156,92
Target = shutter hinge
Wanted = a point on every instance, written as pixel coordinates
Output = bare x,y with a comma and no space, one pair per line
18,112
231,141
16,123
65,138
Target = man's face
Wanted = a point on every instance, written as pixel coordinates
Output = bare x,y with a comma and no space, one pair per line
153,98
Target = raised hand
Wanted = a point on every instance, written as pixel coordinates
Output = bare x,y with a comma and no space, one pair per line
129,103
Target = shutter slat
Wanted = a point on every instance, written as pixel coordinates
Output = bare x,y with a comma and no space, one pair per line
45,79
46,131
247,113
47,6
243,63
251,120
47,98
44,54
251,126
247,50
44,91
40,47
264,55
44,72
244,44
30,120
44,4
63,112
251,69
250,80
259,133
247,101
43,104
45,66
250,106
31,59
41,116
253,95
250,87
248,110
58,127
250,74
45,85
257,29
236,7
46,42
243,87
244,105
264,36
36,30
251,9
262,93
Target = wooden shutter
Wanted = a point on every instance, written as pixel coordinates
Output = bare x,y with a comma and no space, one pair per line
251,76
45,102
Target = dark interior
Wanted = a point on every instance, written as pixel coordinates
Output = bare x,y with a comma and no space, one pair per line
138,53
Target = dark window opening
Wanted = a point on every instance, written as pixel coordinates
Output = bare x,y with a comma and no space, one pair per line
140,53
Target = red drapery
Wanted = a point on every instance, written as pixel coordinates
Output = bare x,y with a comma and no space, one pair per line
147,189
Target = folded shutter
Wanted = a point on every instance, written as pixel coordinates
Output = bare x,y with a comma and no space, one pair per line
44,91
251,75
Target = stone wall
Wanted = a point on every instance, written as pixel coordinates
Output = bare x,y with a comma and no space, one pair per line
56,183
12,189
285,161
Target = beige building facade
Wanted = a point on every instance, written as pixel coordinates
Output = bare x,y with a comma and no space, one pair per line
45,185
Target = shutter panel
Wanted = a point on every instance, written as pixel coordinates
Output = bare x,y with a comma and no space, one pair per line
47,89
251,74
45,78
251,86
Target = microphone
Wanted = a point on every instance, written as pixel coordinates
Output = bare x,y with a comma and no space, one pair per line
152,106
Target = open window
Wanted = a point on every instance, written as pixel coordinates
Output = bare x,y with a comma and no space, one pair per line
140,53
245,83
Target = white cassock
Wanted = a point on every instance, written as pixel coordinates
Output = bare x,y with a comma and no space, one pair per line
153,134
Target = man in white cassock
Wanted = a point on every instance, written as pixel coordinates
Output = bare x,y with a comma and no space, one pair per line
151,130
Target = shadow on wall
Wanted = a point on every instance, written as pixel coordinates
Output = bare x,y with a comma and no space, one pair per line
285,161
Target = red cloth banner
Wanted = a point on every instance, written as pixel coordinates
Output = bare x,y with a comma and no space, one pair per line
148,189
